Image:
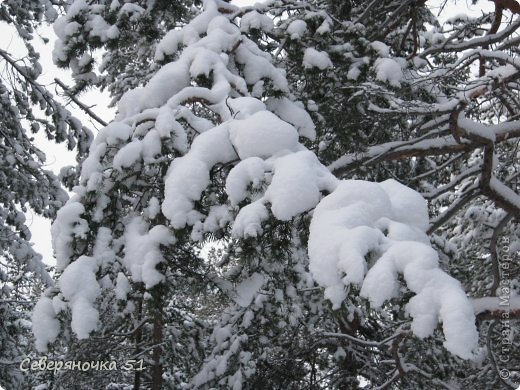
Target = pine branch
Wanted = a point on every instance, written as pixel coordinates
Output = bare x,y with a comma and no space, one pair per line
80,104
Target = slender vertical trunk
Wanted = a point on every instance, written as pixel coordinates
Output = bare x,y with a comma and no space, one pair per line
138,339
158,294
157,368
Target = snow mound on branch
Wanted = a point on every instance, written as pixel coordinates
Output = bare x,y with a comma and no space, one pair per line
382,49
248,288
297,29
188,176
313,58
68,224
256,138
142,251
79,286
389,71
172,82
248,222
111,135
254,21
169,80
190,34
122,286
67,26
249,172
45,325
128,155
295,114
339,234
258,66
243,107
262,134
297,183
383,224
408,206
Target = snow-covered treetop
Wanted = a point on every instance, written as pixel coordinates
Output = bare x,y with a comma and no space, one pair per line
127,33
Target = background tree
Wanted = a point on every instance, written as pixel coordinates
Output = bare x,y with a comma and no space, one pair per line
27,187
113,226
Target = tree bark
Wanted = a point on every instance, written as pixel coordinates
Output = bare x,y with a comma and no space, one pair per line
157,339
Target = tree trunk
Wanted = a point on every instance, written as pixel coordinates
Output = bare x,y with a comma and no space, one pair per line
138,339
157,350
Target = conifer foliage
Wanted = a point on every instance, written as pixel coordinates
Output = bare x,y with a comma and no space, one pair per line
26,107
297,194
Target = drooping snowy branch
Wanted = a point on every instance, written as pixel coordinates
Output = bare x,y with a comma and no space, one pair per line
385,223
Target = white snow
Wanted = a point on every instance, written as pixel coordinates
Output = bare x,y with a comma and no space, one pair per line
142,251
122,286
248,222
151,146
388,70
188,176
99,28
458,18
248,288
95,25
439,298
504,191
244,107
110,135
165,123
297,29
257,67
324,28
384,224
476,128
408,205
45,325
80,288
92,165
254,21
103,251
313,58
67,225
297,183
382,49
131,9
295,114
218,217
168,45
334,249
113,134
248,172
169,80
154,207
262,134
76,8
128,155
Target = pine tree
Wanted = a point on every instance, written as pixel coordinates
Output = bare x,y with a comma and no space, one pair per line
26,107
127,33
278,135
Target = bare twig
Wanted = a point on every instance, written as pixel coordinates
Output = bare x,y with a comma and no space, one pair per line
80,104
